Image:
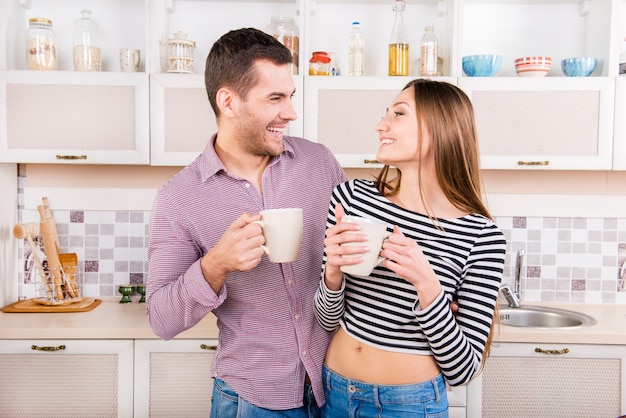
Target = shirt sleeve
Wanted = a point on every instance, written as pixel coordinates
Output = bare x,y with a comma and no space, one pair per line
458,341
177,295
329,306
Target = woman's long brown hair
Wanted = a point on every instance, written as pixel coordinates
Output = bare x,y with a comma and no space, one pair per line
446,112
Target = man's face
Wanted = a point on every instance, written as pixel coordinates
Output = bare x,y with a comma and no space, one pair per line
267,110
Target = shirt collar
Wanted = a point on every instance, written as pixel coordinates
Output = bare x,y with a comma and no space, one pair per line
211,165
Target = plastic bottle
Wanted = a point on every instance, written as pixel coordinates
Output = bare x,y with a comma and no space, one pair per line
356,57
287,33
41,53
87,56
428,59
398,43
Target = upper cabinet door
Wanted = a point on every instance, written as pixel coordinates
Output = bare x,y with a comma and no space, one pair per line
182,121
341,113
74,117
547,123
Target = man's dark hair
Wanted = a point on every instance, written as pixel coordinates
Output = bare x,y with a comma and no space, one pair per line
232,57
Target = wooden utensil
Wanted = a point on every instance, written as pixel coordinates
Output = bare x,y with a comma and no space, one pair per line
28,231
69,261
50,240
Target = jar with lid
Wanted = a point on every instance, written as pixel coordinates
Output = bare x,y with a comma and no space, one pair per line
41,51
179,52
87,54
287,33
320,63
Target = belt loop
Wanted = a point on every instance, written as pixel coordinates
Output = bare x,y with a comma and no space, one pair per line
328,377
436,389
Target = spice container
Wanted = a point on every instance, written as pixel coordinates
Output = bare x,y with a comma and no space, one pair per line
41,45
287,33
319,64
87,54
179,52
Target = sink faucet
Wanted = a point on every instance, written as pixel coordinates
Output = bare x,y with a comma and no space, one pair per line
513,296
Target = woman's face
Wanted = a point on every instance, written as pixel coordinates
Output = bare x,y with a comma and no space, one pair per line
398,133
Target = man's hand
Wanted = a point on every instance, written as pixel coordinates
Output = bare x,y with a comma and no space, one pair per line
239,249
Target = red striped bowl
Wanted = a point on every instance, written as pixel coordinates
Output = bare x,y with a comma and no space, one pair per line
533,66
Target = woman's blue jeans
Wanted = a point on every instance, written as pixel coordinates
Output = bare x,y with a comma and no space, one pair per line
347,398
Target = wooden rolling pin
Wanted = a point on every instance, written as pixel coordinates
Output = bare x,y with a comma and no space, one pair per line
27,231
50,240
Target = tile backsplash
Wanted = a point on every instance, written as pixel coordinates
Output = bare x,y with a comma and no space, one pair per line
577,260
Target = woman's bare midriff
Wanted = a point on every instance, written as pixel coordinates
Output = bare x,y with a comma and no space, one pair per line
354,360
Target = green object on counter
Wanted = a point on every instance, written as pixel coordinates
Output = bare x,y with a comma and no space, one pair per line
126,291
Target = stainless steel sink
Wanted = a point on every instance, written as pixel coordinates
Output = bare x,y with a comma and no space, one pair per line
543,317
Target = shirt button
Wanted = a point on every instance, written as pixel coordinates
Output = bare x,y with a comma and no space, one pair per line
247,186
290,282
303,352
297,316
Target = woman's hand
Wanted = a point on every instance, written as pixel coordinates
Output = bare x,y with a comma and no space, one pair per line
335,236
405,258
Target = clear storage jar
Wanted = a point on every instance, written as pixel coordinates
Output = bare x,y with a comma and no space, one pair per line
87,55
287,33
41,52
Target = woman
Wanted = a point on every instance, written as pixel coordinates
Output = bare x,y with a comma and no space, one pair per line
398,340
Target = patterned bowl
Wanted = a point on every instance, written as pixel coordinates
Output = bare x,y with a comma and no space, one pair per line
579,66
533,66
486,65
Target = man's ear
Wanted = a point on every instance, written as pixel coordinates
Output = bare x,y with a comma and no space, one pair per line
226,100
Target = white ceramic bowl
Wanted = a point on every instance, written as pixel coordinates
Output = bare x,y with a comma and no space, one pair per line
533,66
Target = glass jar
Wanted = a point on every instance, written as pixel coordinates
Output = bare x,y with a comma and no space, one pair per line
41,51
87,55
179,51
320,63
287,33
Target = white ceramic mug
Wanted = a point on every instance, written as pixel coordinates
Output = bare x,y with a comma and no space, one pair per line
377,233
129,60
282,229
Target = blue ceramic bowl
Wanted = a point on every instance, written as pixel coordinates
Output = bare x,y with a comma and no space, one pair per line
579,66
486,65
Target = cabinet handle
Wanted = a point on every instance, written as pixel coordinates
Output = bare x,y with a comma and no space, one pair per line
366,161
533,163
37,348
556,352
208,347
71,157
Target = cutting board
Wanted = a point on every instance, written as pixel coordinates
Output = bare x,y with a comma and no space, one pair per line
29,305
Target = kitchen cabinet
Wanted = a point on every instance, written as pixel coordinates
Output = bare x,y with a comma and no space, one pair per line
79,118
511,28
341,114
182,120
547,123
173,378
550,380
66,378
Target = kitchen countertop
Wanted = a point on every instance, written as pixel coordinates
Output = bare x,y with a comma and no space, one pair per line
112,320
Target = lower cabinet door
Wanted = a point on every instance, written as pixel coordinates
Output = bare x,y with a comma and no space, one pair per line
66,378
173,378
549,380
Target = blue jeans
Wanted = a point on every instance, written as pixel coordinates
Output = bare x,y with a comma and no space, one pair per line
347,398
227,404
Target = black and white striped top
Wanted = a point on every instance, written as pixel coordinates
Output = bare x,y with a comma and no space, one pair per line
383,310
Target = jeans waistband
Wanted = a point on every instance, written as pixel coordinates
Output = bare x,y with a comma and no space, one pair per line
416,392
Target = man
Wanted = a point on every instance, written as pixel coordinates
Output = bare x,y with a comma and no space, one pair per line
205,249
